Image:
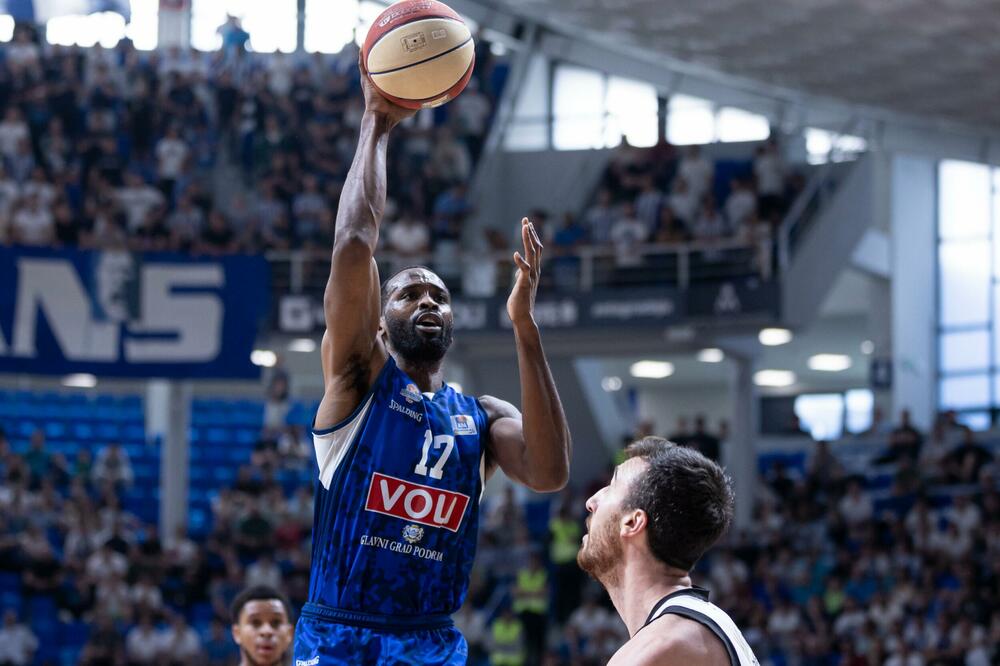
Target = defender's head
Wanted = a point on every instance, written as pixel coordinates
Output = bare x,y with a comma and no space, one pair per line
262,626
416,315
665,501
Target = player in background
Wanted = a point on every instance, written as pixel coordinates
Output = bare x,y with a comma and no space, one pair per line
664,507
262,626
403,458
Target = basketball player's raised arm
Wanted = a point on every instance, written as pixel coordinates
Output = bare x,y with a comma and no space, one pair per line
351,352
532,447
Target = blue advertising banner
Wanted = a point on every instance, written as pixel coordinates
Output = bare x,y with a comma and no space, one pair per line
122,314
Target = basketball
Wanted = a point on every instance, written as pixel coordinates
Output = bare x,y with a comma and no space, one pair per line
419,53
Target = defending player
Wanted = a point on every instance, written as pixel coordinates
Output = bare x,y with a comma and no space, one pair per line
262,626
403,458
665,506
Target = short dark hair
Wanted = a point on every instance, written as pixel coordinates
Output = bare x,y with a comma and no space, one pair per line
688,500
385,284
257,593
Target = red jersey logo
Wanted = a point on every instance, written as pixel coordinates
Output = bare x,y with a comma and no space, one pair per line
415,502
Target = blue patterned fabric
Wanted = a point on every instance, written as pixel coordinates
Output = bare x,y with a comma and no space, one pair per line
319,643
395,526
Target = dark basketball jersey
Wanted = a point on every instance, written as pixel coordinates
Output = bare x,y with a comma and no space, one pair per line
397,504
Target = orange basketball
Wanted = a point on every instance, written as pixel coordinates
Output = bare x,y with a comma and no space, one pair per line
419,53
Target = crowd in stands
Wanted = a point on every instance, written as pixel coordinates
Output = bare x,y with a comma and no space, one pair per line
180,150
668,195
830,572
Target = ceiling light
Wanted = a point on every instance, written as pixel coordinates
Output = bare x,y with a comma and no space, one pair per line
455,386
264,358
772,337
829,362
867,347
774,378
652,369
611,384
711,355
304,345
79,380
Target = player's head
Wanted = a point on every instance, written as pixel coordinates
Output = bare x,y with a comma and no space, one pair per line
667,501
416,315
262,626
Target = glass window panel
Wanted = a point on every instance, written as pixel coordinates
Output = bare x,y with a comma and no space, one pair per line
738,125
368,11
631,109
329,25
529,128
104,28
964,200
975,420
996,223
143,28
690,120
822,414
6,27
965,392
858,404
965,280
579,123
966,350
272,25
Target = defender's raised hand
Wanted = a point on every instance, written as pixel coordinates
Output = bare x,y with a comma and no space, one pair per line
521,304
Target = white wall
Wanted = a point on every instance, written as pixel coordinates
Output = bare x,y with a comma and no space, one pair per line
664,406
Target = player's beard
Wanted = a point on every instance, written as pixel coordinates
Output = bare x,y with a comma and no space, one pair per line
414,347
602,554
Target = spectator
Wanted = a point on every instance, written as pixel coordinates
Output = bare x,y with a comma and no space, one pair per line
105,644
263,573
113,466
17,642
741,205
13,129
32,224
171,155
178,643
218,238
600,218
965,463
696,171
647,205
186,223
769,171
627,235
137,199
409,239
704,442
219,649
855,508
450,161
683,203
565,243
142,643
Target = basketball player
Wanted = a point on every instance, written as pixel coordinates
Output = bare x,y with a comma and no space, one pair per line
665,506
262,626
402,456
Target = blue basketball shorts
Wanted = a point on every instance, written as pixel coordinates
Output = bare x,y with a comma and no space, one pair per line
358,639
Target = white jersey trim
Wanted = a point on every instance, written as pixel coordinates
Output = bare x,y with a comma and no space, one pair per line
706,609
332,447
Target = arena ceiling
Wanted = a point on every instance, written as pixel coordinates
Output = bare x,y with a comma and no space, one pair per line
934,58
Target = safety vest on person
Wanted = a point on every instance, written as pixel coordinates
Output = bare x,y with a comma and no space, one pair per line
508,646
565,540
531,594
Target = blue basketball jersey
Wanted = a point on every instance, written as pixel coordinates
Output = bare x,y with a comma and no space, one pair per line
397,504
